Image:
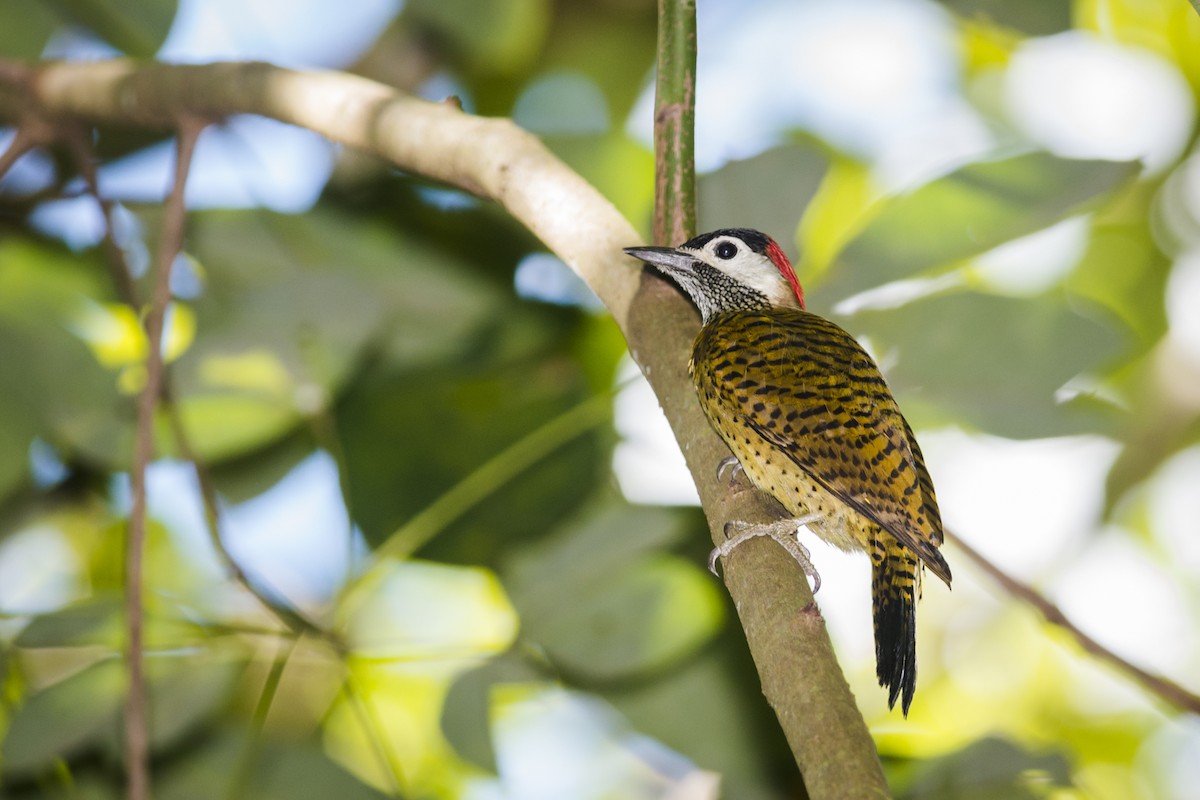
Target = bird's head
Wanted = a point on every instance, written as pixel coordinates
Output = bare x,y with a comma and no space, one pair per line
732,269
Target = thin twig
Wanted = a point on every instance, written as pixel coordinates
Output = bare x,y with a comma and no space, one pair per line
372,728
122,278
246,762
674,123
291,618
21,144
493,474
1163,688
137,739
33,132
118,268
323,426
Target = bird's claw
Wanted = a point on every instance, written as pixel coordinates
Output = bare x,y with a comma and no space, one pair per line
731,467
783,531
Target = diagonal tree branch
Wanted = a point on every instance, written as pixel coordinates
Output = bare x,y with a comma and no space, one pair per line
119,272
1167,690
25,139
491,158
137,739
799,671
127,289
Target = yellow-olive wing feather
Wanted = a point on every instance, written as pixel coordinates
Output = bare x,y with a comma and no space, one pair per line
809,390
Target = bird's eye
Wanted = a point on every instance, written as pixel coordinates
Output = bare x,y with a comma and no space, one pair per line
726,250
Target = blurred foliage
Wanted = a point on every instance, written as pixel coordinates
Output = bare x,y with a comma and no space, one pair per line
136,27
499,610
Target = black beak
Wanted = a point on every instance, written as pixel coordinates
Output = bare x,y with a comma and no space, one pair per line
666,259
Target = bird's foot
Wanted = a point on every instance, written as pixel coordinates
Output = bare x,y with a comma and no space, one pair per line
784,532
736,474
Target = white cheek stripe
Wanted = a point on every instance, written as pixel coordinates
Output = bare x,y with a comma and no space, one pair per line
762,276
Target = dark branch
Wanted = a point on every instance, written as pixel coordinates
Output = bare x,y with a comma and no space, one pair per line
118,268
137,738
1166,690
122,278
31,133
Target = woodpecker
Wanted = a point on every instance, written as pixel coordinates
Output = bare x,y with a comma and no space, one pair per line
809,419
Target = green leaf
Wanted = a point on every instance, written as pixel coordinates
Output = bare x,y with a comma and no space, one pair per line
502,36
989,362
188,691
274,340
44,292
85,415
989,769
1144,448
277,770
82,711
841,207
247,477
553,583
466,715
293,304
734,196
409,437
25,27
84,783
604,603
136,27
449,612
64,719
1157,425
16,435
614,50
967,213
619,168
1034,17
647,616
1124,270
606,535
94,622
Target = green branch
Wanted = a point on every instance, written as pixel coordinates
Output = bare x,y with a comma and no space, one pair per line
494,474
674,123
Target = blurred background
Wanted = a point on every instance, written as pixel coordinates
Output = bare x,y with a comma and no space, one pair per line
427,437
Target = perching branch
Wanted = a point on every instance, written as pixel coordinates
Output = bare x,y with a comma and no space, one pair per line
491,158
799,672
137,739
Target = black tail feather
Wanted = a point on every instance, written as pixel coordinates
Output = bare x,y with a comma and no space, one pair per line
893,594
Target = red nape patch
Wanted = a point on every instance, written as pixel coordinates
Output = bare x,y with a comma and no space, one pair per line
776,254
